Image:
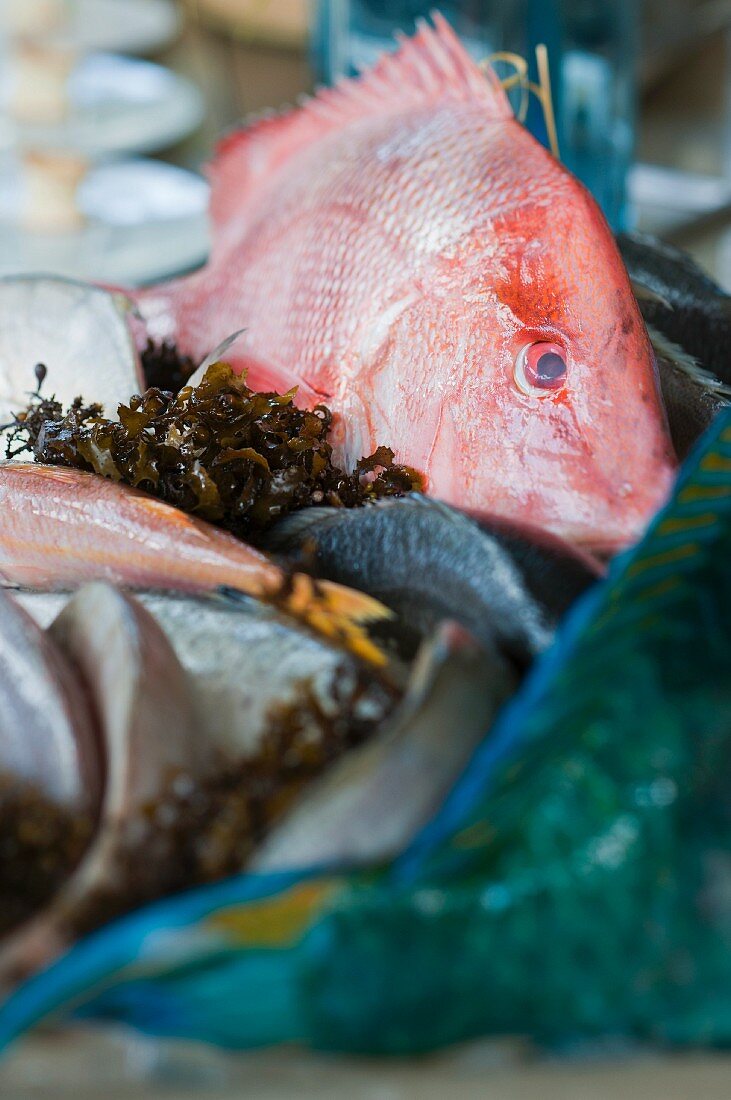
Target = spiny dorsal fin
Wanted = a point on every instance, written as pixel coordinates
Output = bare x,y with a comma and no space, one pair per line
429,68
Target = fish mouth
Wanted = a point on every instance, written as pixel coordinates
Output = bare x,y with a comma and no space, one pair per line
627,521
604,548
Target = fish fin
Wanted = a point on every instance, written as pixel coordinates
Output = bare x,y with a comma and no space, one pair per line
428,68
266,378
332,610
688,364
289,533
260,376
645,293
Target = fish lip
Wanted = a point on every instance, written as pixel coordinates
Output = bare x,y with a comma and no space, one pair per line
605,546
629,529
601,546
601,549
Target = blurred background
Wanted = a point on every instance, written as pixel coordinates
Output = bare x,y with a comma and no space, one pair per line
109,108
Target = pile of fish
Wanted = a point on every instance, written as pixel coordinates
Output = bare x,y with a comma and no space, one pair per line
170,735
178,705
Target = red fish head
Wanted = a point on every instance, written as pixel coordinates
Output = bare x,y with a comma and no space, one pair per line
557,419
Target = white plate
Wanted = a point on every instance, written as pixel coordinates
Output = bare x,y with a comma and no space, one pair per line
120,26
146,220
116,105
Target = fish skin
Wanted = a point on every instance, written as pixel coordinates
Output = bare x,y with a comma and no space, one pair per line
182,687
692,395
691,406
63,527
393,244
369,804
429,562
689,307
48,738
241,660
689,319
80,332
139,689
149,734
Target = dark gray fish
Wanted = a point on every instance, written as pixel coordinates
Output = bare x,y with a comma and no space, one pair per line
685,304
688,317
692,396
430,562
369,805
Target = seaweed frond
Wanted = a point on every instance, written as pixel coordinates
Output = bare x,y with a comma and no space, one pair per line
233,456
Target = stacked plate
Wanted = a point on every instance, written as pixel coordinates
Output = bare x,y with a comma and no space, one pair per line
75,196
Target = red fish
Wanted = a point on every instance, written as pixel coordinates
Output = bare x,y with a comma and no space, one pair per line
403,249
63,527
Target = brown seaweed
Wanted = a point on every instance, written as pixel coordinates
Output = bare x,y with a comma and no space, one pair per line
164,366
205,829
235,457
40,844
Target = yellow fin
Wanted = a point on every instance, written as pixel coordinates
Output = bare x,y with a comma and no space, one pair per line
336,612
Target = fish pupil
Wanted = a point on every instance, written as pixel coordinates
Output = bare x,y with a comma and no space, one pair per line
550,367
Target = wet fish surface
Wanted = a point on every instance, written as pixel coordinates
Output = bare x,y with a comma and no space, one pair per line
692,395
689,308
213,716
430,562
51,766
79,332
192,694
64,527
402,249
243,659
149,738
689,320
370,804
47,734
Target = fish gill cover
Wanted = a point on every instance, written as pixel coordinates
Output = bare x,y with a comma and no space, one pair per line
575,882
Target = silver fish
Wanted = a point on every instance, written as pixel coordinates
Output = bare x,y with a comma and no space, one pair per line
186,688
242,658
150,740
371,803
78,331
47,735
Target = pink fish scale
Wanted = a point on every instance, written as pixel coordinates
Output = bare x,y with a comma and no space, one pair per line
393,246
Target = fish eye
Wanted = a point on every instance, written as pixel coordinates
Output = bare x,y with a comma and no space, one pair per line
540,369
